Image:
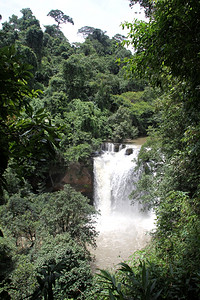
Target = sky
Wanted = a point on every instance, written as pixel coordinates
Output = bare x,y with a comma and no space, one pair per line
106,15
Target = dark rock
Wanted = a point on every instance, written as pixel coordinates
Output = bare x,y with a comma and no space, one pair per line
129,151
116,147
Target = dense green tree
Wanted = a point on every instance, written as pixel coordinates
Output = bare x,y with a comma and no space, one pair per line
8,35
140,108
86,48
25,135
13,89
54,32
27,56
62,269
34,40
77,71
27,19
51,231
122,125
15,28
45,72
169,39
20,217
14,21
6,262
33,144
86,126
107,85
70,212
100,41
25,217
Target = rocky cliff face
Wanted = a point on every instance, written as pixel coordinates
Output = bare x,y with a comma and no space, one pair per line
80,177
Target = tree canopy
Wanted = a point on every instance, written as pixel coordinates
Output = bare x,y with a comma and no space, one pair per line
60,17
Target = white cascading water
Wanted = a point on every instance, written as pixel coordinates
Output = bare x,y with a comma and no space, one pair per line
122,227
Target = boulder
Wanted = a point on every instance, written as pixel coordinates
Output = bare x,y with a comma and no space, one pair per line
129,151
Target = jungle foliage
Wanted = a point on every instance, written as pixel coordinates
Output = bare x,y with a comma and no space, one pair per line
58,103
43,250
74,107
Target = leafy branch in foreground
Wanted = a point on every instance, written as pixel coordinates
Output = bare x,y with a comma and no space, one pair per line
129,285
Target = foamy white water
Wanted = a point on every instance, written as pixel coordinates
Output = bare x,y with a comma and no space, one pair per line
123,227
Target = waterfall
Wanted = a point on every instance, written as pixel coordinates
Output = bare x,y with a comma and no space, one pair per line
122,226
114,178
